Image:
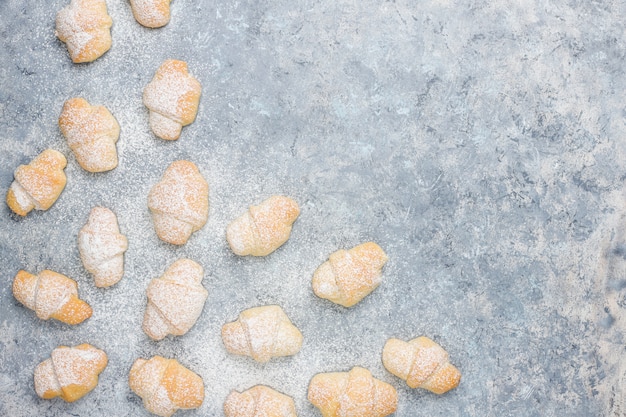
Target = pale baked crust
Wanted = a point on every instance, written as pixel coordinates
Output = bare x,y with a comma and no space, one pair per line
70,372
352,394
102,246
175,300
51,295
165,385
421,363
257,401
263,228
85,27
172,97
39,184
179,203
151,13
349,276
262,333
91,133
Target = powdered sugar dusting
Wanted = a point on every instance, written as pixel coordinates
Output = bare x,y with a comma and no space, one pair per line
352,394
160,403
46,382
49,291
348,276
240,404
421,363
240,234
260,327
42,180
102,247
263,228
427,358
176,298
151,13
398,358
259,401
174,94
78,366
457,135
145,380
165,385
179,202
70,372
445,378
53,292
24,200
91,133
268,332
84,26
75,40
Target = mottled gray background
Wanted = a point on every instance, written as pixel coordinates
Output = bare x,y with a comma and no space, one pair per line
480,143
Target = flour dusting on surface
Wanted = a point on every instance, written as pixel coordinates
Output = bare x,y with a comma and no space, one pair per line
478,144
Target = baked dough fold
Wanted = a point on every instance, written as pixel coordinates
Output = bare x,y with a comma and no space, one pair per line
70,372
102,247
262,333
172,97
259,401
51,295
352,394
175,300
179,202
85,27
263,228
38,184
350,275
165,385
422,363
91,133
151,13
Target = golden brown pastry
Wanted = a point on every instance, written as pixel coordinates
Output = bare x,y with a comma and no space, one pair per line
51,295
38,184
172,97
263,228
85,27
262,333
179,202
165,385
70,372
91,133
422,363
259,401
348,276
151,13
175,300
352,394
102,247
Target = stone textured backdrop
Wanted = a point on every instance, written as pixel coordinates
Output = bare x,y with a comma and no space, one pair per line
480,143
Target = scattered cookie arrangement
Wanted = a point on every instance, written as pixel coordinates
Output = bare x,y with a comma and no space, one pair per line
179,206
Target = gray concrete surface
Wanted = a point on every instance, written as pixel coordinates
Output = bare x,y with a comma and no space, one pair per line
480,143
